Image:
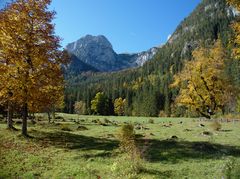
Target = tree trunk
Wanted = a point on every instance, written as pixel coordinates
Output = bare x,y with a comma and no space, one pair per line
9,116
203,114
49,117
53,113
24,120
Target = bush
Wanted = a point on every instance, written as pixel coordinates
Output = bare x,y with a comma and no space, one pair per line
65,128
216,126
162,114
130,164
151,121
127,140
126,137
125,167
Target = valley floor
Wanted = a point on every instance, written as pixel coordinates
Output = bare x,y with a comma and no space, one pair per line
86,147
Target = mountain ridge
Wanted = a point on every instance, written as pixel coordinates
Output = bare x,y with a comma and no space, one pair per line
97,51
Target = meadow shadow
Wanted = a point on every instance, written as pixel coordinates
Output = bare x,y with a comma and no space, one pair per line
72,141
165,151
174,151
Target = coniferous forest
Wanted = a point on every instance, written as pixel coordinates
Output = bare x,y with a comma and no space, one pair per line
147,89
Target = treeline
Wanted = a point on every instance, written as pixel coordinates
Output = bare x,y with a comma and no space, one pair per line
147,90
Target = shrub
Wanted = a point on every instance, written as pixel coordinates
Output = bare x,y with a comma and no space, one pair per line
130,164
216,126
65,128
162,114
125,167
126,137
151,121
127,140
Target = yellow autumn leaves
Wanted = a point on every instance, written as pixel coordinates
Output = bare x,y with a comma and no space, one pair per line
203,85
30,62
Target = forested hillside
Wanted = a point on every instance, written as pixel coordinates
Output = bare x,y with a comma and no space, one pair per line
146,89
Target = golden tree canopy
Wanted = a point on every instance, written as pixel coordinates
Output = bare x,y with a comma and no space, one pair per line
30,62
236,29
202,84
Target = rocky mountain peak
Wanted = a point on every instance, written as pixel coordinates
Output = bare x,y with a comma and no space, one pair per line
98,52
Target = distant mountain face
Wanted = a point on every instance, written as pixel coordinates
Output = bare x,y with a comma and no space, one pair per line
148,85
97,52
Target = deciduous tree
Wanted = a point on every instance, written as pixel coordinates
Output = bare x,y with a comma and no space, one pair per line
101,104
236,29
203,86
119,106
80,107
29,56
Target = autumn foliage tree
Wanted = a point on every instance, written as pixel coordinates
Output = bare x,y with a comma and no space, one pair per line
236,29
203,85
101,105
30,62
80,107
119,106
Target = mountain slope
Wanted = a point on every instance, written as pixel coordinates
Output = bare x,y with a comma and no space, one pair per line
77,66
98,52
147,88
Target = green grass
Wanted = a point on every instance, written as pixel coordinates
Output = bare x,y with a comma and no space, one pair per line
52,152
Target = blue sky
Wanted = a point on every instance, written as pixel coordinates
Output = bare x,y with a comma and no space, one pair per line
130,25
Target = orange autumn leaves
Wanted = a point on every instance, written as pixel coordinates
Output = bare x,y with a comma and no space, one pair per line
30,62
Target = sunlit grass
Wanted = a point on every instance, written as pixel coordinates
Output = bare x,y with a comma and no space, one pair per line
92,151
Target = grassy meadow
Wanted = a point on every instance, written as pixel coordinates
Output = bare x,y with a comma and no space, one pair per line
87,147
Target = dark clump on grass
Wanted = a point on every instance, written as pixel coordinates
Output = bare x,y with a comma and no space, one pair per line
96,121
82,128
103,124
18,122
151,121
110,136
201,125
174,137
107,121
207,133
59,117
